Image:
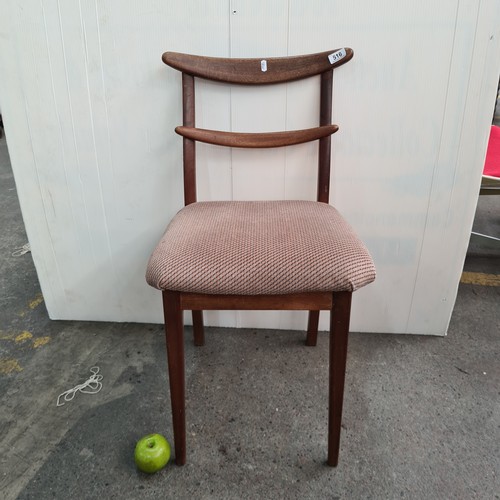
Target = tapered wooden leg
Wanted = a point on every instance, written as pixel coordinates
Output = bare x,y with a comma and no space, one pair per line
198,333
174,332
339,329
312,328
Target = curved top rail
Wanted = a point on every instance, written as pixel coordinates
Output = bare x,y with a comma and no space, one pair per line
258,71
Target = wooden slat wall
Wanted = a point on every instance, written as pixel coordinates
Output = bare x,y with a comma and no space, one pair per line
89,110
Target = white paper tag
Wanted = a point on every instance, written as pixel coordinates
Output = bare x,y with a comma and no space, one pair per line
263,65
337,56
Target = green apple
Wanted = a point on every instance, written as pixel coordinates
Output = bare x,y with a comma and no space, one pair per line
152,453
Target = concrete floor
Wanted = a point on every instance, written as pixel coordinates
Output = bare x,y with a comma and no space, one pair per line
421,414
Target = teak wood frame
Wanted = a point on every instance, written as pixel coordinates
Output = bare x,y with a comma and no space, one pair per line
250,72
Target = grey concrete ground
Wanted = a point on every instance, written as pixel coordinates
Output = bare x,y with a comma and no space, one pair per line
421,416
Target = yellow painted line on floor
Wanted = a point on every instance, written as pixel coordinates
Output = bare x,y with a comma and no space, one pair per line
17,337
32,304
36,301
23,336
41,341
482,279
9,365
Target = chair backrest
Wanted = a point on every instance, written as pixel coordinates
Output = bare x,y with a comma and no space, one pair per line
257,72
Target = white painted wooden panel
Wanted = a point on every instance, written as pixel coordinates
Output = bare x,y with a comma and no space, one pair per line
90,110
455,181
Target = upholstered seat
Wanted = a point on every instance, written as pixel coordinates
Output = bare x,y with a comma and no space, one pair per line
259,248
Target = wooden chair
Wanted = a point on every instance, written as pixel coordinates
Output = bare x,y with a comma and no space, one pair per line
258,255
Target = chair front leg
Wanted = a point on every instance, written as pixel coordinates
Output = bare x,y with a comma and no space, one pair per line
339,329
174,332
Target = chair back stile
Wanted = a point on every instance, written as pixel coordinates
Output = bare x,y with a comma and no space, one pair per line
189,145
325,143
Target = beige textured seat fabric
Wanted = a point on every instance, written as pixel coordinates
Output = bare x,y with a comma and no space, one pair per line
259,247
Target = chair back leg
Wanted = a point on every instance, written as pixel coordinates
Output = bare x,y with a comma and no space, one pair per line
198,330
174,332
339,329
312,328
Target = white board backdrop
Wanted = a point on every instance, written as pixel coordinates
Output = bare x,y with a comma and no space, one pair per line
90,109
